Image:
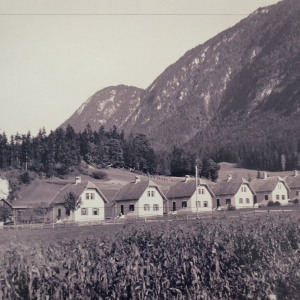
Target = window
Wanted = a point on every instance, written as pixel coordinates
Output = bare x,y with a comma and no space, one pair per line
203,191
205,204
68,212
247,201
241,201
131,207
87,196
92,196
146,207
266,197
297,193
152,193
148,193
95,211
184,204
155,207
228,201
283,197
245,189
277,197
84,211
199,191
198,204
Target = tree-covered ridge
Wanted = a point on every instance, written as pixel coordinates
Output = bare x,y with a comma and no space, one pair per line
61,152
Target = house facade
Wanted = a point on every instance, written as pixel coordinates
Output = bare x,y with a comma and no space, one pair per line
92,207
187,197
139,199
233,191
293,182
270,189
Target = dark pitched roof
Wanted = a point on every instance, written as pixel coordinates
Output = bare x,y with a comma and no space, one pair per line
78,189
230,187
293,181
267,185
186,189
37,192
134,190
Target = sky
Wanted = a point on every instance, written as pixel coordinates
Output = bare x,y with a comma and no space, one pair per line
55,54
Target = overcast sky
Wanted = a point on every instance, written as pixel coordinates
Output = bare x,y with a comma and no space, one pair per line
57,53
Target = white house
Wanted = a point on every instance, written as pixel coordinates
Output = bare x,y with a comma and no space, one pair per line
185,196
293,182
91,208
270,189
233,191
140,199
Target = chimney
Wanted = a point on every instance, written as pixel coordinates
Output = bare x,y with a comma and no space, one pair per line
77,179
295,173
229,177
265,175
137,179
187,178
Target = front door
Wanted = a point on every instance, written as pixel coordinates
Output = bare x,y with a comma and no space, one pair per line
255,199
59,214
218,202
174,206
122,209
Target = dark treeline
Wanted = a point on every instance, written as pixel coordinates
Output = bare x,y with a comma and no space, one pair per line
265,142
62,151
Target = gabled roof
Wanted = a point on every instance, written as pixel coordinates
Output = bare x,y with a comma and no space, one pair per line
6,201
77,189
230,187
267,184
186,189
134,190
36,193
293,181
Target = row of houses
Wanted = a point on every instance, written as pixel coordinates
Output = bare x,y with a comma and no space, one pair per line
143,198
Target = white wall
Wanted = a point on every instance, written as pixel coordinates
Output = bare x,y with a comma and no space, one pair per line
202,198
243,195
97,202
145,199
280,190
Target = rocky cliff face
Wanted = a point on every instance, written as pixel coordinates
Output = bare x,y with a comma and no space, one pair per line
249,69
108,107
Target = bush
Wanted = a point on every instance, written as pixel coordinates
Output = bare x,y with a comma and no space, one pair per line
272,203
99,175
231,207
295,201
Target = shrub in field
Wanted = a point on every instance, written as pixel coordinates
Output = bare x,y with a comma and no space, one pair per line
295,201
277,203
99,175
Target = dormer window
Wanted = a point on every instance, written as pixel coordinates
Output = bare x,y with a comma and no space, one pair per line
87,196
152,194
149,194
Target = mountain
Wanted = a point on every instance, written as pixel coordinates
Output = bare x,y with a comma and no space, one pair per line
250,68
238,88
109,106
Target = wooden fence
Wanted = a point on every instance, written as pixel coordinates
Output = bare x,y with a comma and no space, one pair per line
155,219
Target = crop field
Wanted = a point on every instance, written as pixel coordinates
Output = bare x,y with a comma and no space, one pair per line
251,258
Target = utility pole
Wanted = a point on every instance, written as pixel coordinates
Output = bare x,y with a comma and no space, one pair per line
197,189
